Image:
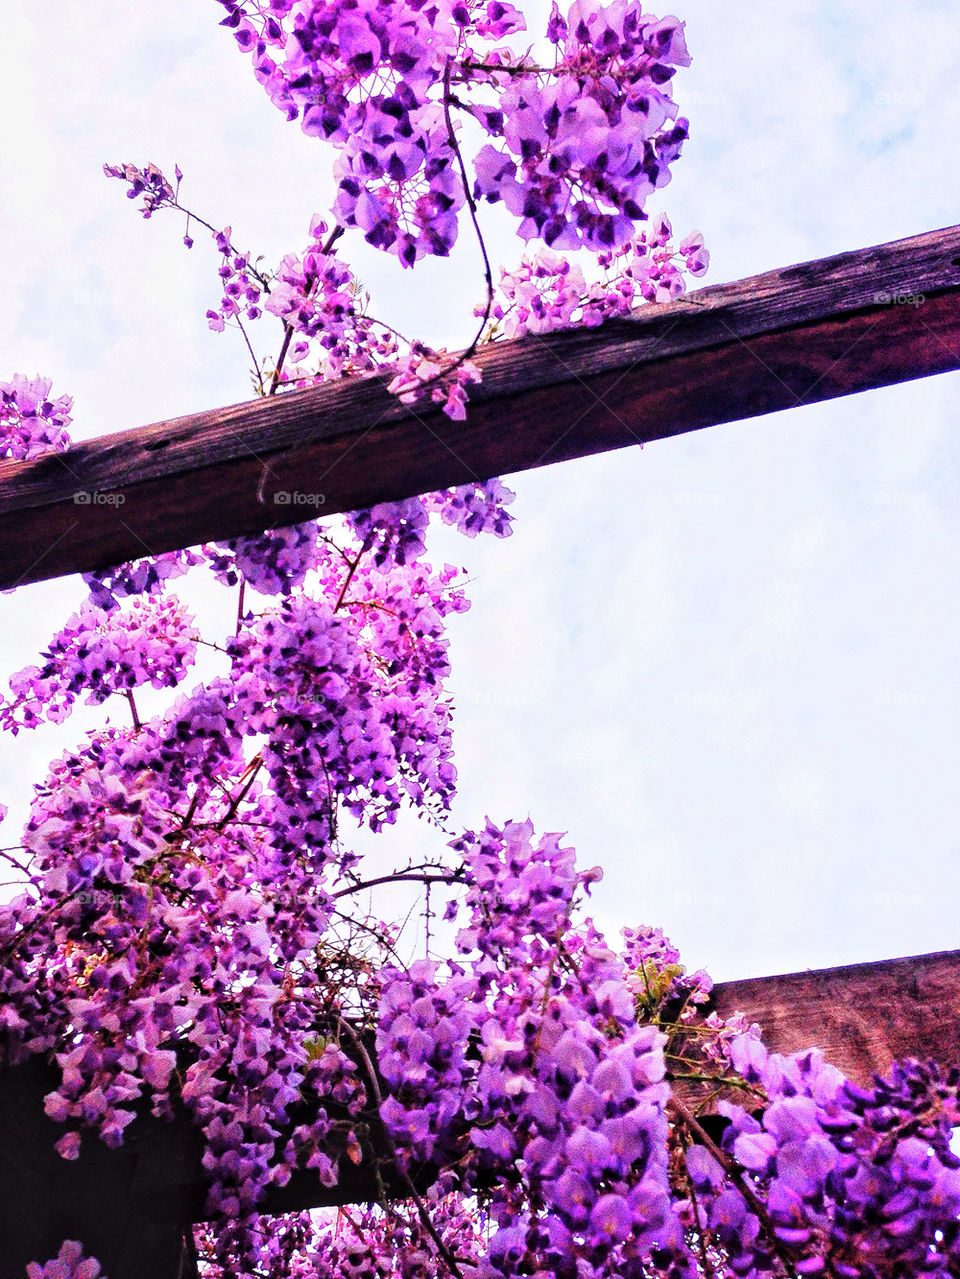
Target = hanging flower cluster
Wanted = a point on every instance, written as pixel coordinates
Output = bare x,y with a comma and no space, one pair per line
404,93
31,422
187,940
69,1263
99,653
548,291
579,145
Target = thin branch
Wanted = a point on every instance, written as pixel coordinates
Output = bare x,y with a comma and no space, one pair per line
133,707
251,770
706,1263
252,353
378,936
210,644
448,1257
507,70
284,348
7,855
261,279
700,1134
452,878
472,206
354,565
355,1226
188,817
721,1082
20,883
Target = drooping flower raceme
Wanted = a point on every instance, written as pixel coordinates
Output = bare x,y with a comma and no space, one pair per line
403,93
99,653
182,941
31,422
578,146
549,290
194,935
70,1263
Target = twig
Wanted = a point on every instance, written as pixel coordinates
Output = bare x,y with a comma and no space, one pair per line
252,769
188,818
448,1257
472,206
697,1130
354,565
453,878
261,279
284,348
704,1256
133,707
252,353
7,855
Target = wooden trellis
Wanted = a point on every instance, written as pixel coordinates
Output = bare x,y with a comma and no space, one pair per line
133,1206
787,338
780,340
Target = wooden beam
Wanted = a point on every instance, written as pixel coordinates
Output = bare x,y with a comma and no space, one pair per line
780,340
153,1186
863,1017
129,1207
132,1206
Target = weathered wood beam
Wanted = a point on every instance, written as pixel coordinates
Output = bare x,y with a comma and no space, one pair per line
779,340
132,1205
863,1017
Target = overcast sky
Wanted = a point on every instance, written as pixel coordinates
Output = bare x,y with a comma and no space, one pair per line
725,665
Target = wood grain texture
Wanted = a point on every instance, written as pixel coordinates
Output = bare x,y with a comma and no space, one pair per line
863,1017
779,340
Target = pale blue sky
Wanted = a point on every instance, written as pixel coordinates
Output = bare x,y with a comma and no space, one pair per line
725,665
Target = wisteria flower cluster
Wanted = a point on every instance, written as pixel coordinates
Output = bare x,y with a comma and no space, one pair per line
549,291
274,562
138,577
578,146
69,1263
187,939
585,146
832,1178
194,934
99,653
181,925
328,332
398,90
365,1243
31,422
